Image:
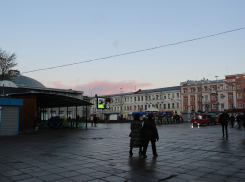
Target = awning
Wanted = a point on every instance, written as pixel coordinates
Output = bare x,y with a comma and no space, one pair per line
46,100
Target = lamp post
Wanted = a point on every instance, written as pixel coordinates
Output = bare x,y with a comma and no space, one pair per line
217,103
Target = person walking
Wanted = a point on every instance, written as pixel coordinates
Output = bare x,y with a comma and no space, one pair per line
232,119
224,118
135,141
149,133
239,119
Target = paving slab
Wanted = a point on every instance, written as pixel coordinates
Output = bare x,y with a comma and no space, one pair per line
100,154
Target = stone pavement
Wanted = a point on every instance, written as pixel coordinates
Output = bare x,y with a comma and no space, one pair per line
101,154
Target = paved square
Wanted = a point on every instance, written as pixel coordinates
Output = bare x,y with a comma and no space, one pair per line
101,154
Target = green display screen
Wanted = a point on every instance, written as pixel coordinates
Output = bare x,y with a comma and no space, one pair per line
101,103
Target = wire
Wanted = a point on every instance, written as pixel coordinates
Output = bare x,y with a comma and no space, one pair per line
149,49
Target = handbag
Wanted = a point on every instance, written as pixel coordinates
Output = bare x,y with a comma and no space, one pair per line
132,129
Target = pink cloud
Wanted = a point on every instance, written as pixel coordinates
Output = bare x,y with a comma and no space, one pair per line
103,87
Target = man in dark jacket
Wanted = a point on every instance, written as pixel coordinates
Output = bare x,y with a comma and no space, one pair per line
224,118
149,133
232,119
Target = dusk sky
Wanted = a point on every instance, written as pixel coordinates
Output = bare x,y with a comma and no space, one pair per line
47,33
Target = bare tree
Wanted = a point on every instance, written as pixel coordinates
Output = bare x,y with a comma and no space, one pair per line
7,61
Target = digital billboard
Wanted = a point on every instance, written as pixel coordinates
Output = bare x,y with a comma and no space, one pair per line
102,104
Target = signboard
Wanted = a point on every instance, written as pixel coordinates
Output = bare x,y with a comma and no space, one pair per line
101,103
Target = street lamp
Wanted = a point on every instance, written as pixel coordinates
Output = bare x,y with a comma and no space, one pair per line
217,109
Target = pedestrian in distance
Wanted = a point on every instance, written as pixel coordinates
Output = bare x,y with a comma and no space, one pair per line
232,119
149,133
135,141
94,121
239,120
224,118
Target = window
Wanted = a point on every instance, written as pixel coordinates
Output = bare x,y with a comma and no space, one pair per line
168,96
149,106
149,97
238,86
222,96
193,98
222,106
199,89
206,97
193,89
145,107
221,87
142,98
130,99
185,90
230,87
213,97
164,96
160,106
138,98
125,99
138,107
185,107
161,97
127,107
199,107
141,107
239,95
205,88
177,95
164,106
130,107
230,96
230,106
134,98
124,108
240,105
200,98
214,106
193,107
168,106
134,107
173,95
172,105
177,105
153,97
145,97
213,88
185,98
157,97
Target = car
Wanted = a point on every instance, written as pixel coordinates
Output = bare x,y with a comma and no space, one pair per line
200,119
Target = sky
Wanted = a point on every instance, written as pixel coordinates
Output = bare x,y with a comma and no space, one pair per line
46,34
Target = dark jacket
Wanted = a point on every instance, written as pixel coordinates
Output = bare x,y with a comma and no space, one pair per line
224,118
149,131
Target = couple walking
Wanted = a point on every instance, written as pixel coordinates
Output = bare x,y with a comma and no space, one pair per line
141,136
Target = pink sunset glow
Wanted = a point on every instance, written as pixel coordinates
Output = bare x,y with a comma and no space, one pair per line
102,87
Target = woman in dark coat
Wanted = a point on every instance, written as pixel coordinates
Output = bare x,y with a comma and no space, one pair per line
135,141
149,133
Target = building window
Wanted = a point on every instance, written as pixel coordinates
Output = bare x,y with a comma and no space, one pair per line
213,97
185,90
206,97
138,98
214,106
134,98
164,106
164,96
193,98
160,106
177,95
185,98
200,98
168,106
199,107
240,105
230,96
134,107
124,108
239,95
177,105
173,95
149,97
130,107
230,87
222,96
153,97
221,87
205,88
168,96
161,97
125,99
193,89
142,98
127,107
172,105
222,106
131,99
238,86
230,106
193,107
185,107
145,107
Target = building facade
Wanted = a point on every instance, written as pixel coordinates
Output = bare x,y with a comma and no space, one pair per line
164,99
212,95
